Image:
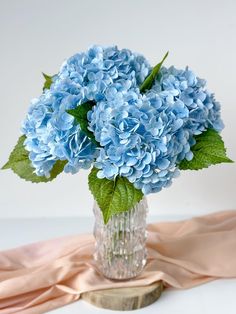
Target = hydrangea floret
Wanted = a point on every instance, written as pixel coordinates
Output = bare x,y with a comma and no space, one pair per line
137,125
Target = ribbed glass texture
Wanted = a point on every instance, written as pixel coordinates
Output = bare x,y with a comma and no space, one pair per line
120,251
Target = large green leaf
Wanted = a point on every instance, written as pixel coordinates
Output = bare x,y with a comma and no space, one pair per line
19,163
148,82
113,196
80,115
208,150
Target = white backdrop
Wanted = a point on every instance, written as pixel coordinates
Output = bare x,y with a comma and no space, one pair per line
36,36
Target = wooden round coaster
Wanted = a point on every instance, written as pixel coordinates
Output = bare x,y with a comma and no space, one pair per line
124,299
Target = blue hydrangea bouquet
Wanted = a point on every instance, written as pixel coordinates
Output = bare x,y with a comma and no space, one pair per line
137,125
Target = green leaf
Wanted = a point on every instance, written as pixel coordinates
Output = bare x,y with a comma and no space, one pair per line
80,115
19,163
113,196
208,150
148,82
48,81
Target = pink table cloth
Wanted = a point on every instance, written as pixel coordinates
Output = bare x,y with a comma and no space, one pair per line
39,277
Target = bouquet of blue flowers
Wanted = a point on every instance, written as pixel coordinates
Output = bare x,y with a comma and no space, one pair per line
137,125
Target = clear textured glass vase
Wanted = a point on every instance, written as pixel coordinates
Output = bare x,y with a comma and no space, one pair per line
120,251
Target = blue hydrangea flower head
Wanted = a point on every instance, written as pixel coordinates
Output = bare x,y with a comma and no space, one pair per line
51,134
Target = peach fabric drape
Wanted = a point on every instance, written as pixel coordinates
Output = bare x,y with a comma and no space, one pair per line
39,277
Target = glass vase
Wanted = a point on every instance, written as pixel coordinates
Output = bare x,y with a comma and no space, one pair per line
120,251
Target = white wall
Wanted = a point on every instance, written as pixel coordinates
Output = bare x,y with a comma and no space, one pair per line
36,36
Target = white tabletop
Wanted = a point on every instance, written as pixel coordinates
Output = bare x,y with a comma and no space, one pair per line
216,297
